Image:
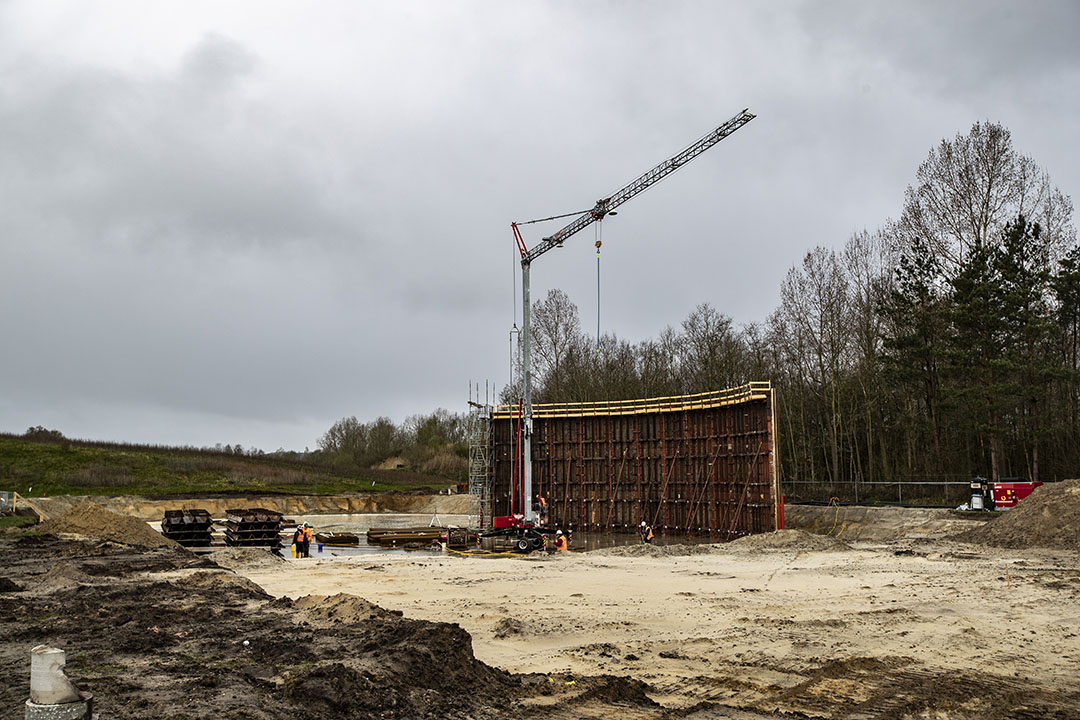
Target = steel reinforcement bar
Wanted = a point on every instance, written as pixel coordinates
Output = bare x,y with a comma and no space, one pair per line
700,464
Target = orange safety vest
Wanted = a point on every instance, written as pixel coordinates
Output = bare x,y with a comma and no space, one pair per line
309,534
560,542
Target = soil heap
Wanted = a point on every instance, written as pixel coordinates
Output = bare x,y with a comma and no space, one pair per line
658,550
166,633
94,521
246,558
1049,518
788,540
779,540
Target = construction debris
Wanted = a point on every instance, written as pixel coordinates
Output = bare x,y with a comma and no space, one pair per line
454,537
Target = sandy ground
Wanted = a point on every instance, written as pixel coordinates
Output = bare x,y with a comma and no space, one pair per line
763,626
878,614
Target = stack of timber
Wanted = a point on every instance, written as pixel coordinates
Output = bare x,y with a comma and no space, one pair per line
253,527
189,527
337,538
422,536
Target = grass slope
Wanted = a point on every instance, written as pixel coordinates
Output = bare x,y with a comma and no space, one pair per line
73,467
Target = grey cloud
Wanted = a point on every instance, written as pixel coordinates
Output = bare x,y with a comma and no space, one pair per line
182,157
954,47
247,223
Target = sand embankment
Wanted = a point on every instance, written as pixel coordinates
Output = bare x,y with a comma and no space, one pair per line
878,524
154,508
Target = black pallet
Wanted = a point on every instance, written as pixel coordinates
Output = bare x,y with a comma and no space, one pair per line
191,527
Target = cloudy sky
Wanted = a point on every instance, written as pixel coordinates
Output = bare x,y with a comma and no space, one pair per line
239,222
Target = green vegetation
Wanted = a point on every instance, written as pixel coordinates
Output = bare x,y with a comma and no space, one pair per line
433,444
17,521
49,464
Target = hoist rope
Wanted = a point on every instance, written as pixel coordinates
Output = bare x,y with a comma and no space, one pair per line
599,235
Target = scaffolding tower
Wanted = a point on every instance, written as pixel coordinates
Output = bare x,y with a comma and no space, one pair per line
479,432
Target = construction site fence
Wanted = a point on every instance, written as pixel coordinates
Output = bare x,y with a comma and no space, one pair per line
948,493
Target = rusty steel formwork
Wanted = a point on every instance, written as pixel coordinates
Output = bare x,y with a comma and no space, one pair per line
692,465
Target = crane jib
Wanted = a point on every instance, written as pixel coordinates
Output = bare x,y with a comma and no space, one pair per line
650,178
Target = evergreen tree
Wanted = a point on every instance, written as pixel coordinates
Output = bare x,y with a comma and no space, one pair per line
915,327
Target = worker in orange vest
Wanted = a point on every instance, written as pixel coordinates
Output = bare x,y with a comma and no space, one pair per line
646,532
306,536
560,541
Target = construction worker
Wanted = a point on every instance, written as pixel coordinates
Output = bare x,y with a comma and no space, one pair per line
646,532
303,548
297,540
542,509
560,541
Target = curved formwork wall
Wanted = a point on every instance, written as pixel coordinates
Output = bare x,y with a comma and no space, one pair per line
689,465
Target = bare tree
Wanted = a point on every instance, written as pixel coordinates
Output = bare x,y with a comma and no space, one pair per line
658,365
711,350
555,330
814,323
970,187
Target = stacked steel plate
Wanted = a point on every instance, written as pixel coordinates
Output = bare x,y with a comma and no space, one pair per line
189,527
252,527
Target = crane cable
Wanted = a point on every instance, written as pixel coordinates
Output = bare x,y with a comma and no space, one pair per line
599,234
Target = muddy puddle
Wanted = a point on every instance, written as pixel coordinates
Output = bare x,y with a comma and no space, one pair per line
360,523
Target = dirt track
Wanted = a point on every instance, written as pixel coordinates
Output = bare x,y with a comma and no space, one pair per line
788,624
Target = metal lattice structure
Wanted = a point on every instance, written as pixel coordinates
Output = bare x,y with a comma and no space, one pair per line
479,431
602,208
691,465
607,205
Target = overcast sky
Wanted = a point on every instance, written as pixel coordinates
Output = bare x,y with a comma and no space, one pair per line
239,222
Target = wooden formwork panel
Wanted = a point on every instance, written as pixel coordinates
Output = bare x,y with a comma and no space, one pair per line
687,468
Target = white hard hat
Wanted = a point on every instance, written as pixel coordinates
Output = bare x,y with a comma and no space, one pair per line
558,532
642,523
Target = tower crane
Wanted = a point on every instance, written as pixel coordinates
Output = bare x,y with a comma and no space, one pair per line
602,208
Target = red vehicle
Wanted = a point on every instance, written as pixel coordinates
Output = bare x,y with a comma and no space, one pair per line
1009,491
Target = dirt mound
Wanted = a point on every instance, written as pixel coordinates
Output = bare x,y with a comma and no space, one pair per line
95,521
63,576
215,579
619,691
779,540
654,550
1049,517
339,691
220,647
788,540
509,626
341,608
246,558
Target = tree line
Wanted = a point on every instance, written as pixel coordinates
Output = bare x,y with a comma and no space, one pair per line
433,443
942,345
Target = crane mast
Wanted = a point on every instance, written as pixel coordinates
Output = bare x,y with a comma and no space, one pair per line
602,208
